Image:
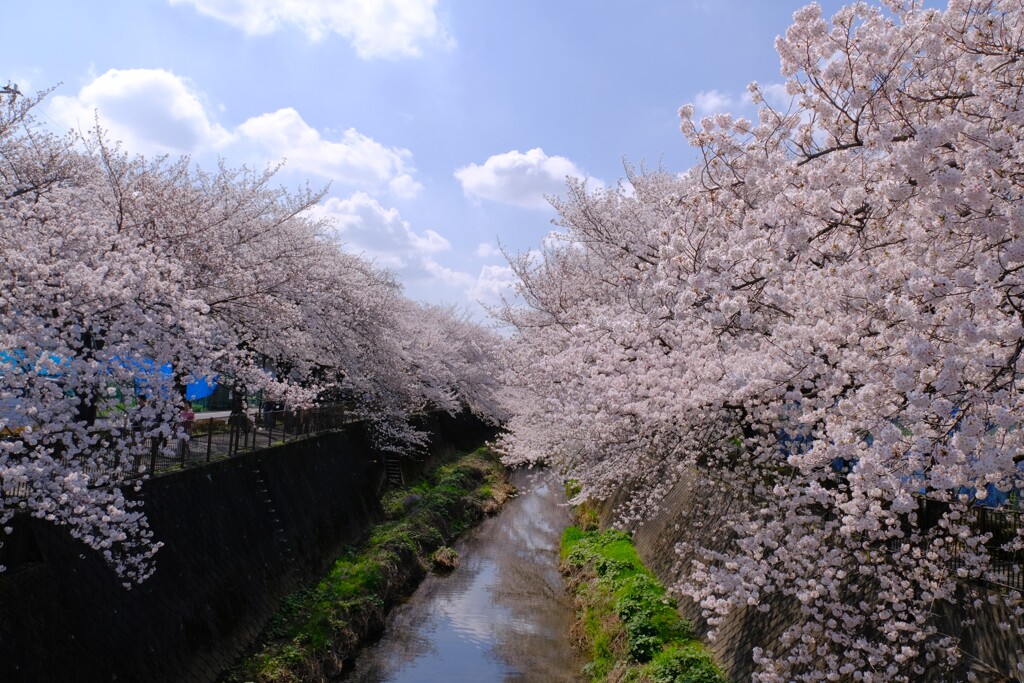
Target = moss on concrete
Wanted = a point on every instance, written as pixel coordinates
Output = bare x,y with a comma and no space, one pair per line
319,628
626,623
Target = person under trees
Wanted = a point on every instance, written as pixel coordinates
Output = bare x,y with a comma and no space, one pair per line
113,267
825,318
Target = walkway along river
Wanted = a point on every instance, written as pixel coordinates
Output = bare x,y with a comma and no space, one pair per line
503,615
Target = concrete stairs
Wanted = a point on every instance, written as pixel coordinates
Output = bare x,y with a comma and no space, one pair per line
393,470
273,514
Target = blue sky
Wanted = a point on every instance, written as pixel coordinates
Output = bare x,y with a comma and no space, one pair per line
439,125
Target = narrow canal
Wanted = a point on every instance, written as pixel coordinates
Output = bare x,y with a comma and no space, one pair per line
503,615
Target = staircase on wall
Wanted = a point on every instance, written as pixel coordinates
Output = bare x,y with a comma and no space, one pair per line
393,469
273,514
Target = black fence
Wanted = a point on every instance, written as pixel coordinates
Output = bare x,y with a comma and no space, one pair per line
216,438
1002,525
1006,561
209,439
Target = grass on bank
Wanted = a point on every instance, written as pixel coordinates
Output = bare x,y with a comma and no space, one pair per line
321,626
626,622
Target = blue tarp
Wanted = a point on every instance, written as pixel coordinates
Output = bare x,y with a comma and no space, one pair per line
17,359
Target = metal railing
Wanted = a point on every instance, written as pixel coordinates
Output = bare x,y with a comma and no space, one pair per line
218,438
208,439
1005,570
1006,565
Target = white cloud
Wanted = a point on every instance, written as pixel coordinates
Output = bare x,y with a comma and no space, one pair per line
152,111
149,110
486,250
560,240
354,159
364,226
493,283
404,187
488,287
367,228
709,102
520,179
387,29
776,95
449,276
713,102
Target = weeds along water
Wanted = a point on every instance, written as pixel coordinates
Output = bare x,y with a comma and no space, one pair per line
502,616
318,629
626,623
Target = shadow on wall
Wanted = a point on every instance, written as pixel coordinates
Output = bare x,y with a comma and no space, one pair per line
238,536
689,515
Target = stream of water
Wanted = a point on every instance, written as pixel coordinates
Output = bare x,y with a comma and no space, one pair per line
503,615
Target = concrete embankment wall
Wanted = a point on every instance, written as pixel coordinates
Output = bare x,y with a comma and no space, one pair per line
694,513
238,536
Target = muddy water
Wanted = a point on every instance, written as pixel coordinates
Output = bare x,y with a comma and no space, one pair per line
503,615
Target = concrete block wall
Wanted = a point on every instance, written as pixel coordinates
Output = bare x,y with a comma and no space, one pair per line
694,512
238,536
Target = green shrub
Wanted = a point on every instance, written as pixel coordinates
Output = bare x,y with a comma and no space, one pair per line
445,559
643,647
688,663
336,612
622,598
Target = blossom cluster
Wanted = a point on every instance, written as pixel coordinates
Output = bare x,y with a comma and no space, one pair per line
825,318
113,268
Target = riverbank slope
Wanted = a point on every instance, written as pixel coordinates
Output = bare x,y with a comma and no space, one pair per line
320,628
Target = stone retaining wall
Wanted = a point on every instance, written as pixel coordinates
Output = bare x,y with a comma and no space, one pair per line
238,536
694,512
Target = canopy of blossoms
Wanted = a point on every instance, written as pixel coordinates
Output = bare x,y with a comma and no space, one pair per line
825,317
113,267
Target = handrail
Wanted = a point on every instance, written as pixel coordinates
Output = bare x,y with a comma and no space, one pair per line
215,438
225,437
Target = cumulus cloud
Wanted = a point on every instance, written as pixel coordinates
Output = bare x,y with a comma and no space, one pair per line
149,110
354,159
449,276
388,29
560,240
714,101
364,226
487,250
152,111
493,283
520,179
367,228
404,186
776,95
488,287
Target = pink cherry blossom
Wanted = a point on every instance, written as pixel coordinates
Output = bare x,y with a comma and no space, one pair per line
822,322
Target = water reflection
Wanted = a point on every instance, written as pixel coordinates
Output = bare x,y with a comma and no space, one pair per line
501,616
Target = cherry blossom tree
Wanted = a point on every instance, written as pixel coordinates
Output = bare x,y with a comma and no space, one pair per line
281,291
116,268
824,317
87,306
454,360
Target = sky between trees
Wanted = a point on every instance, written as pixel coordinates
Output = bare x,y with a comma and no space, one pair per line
823,315
440,126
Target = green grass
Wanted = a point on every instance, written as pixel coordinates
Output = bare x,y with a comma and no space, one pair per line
627,620
319,626
586,513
